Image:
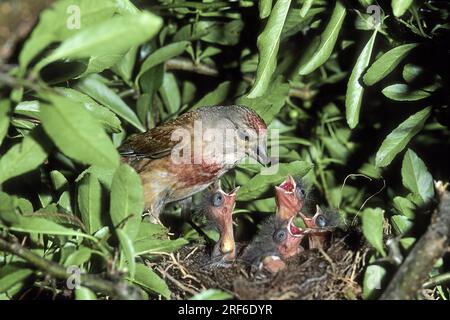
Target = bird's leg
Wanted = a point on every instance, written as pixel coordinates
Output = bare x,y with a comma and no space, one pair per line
153,207
186,205
151,217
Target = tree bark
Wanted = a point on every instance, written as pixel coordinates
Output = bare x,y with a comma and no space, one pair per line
413,273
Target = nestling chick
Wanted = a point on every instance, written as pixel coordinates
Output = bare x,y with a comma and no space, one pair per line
321,225
276,241
290,198
218,207
184,156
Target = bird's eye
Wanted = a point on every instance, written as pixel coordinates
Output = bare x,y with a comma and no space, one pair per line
300,192
217,199
321,221
243,135
280,236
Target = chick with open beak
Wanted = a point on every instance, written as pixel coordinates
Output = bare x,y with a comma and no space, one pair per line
290,198
277,240
320,225
219,207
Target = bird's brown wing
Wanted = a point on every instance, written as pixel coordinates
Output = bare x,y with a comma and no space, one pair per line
155,143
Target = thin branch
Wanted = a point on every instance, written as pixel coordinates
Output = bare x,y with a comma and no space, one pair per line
437,280
200,6
116,289
188,65
413,273
16,83
185,64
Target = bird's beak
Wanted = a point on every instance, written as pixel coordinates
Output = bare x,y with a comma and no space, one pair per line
287,202
259,153
227,244
295,231
234,192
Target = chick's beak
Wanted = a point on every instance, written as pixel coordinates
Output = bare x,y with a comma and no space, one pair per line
227,243
287,202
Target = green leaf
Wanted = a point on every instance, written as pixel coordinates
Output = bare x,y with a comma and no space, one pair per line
161,55
372,227
405,206
150,231
127,200
216,96
387,63
127,248
90,202
28,108
103,174
261,183
170,93
101,39
223,33
397,140
148,246
324,48
407,242
124,67
53,24
97,90
399,7
270,103
413,74
8,206
106,118
150,281
59,182
24,156
76,132
36,225
416,177
11,274
268,43
97,64
373,278
4,118
295,23
78,257
355,91
83,293
305,8
212,294
265,6
401,224
402,92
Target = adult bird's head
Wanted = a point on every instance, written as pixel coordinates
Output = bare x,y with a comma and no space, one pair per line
243,131
219,207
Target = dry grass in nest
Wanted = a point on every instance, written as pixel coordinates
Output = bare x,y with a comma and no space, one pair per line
314,274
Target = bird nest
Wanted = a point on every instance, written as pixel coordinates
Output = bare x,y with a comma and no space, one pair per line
334,273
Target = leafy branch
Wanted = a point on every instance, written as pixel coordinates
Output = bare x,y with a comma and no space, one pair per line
115,289
414,271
